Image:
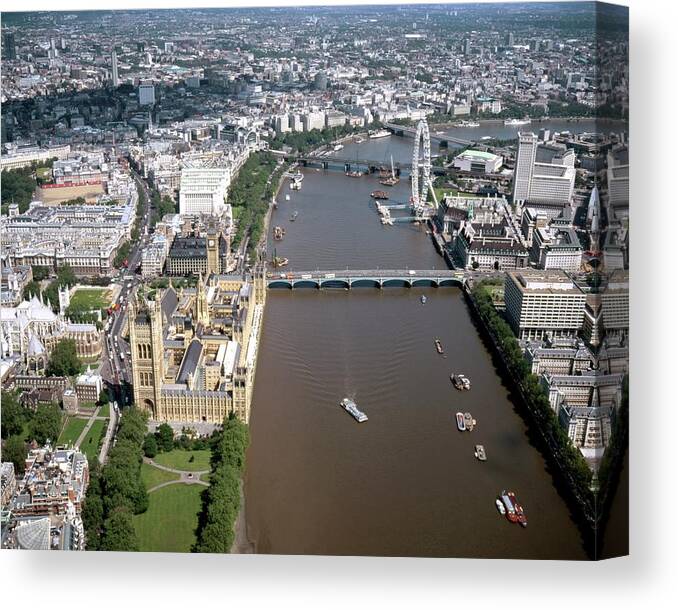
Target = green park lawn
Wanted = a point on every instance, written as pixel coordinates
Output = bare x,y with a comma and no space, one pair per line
91,298
72,430
179,459
90,443
105,410
171,520
43,172
152,476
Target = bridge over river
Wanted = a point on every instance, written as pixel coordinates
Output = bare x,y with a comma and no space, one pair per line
368,278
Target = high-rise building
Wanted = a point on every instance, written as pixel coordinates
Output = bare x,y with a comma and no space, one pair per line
467,46
510,40
146,94
114,68
10,46
543,174
522,176
320,81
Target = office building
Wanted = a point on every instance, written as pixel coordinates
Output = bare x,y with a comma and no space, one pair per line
10,46
543,174
203,190
618,176
114,69
146,94
542,304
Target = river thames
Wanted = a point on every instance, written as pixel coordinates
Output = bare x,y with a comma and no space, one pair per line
406,482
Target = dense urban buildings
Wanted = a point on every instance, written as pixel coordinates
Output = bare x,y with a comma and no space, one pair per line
165,172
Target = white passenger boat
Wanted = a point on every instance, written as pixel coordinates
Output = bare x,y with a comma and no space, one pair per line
352,408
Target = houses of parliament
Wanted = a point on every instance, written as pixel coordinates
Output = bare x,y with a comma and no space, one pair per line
194,351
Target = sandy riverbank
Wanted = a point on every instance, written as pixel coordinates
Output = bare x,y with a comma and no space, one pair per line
241,543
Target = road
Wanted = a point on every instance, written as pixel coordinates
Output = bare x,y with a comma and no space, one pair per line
116,367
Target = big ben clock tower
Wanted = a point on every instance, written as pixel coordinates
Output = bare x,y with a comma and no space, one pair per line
213,265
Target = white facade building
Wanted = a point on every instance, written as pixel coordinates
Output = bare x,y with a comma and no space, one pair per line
543,302
542,174
478,161
203,190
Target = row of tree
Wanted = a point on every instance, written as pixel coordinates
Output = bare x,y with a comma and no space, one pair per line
568,456
221,500
250,195
116,492
163,441
304,141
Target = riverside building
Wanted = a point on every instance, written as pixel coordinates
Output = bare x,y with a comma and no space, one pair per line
203,190
194,351
542,304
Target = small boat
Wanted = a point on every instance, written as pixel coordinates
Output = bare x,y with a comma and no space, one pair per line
279,261
379,195
389,179
480,453
469,421
512,122
423,299
460,381
287,197
514,511
381,133
294,216
352,408
354,174
439,346
338,147
507,500
275,204
278,233
461,426
500,506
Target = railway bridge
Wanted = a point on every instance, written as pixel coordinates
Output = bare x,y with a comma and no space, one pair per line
444,140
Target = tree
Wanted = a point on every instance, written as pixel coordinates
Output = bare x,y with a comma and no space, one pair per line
40,273
165,436
31,289
103,396
150,446
46,424
14,450
66,276
119,533
63,360
13,415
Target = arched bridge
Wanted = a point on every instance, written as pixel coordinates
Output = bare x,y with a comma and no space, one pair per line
368,278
